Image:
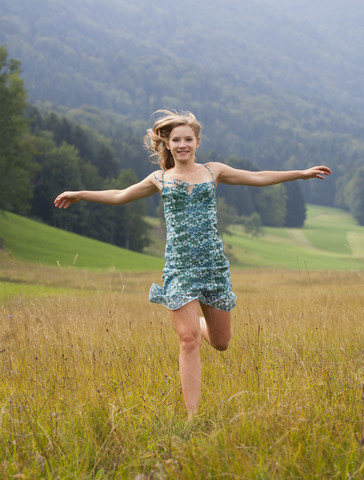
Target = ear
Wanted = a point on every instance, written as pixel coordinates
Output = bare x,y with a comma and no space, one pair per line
198,142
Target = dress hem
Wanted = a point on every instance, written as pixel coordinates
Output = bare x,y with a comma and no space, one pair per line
203,300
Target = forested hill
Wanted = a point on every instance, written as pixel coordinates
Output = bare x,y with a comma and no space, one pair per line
309,49
280,83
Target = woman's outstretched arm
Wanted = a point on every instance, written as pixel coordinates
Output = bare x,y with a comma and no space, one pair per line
143,189
232,176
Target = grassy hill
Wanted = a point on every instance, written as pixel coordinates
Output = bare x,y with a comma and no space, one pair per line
330,240
32,241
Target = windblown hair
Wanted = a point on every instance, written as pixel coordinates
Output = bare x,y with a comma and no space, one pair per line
157,137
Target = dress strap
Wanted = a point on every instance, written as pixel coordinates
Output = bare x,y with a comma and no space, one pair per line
209,169
160,179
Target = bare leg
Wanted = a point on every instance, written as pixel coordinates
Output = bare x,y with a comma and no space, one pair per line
187,325
216,327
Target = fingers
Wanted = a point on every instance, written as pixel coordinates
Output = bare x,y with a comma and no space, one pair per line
320,172
325,170
62,202
61,205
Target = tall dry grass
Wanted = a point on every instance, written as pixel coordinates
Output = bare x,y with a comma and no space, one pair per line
90,388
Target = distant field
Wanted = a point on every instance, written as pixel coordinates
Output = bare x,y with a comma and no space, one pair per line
330,240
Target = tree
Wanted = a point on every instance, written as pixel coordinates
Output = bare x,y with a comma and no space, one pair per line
16,144
253,225
354,195
295,204
226,215
59,169
270,203
107,166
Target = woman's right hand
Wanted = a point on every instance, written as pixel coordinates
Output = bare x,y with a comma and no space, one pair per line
65,199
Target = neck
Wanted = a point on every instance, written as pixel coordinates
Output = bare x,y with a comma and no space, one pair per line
184,167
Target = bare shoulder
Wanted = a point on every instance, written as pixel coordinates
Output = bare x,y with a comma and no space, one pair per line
217,169
232,176
156,178
146,187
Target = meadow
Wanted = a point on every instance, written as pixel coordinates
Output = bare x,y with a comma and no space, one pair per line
89,368
36,242
90,386
330,240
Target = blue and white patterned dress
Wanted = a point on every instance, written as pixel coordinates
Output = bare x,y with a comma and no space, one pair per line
196,266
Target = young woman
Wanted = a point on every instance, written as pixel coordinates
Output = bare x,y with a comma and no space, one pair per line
196,272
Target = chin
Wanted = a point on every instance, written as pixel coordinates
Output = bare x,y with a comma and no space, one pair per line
184,158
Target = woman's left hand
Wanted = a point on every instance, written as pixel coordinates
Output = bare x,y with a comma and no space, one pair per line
316,172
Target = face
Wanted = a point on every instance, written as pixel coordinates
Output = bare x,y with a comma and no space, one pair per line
183,143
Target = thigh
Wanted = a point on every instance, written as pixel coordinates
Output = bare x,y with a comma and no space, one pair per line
186,320
218,323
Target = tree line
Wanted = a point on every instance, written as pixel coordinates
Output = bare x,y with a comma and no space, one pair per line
42,155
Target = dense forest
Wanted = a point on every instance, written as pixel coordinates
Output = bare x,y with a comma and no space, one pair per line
278,84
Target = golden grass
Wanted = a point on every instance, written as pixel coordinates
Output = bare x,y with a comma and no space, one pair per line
90,388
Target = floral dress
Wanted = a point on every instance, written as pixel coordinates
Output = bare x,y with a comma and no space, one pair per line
195,264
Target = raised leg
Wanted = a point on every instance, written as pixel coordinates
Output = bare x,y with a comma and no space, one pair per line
216,327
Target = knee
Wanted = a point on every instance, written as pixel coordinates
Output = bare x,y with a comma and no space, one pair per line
189,342
222,343
221,346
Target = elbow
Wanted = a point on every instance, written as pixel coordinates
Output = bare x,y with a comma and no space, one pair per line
115,197
120,198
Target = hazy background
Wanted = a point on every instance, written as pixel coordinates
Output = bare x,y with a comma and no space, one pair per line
278,82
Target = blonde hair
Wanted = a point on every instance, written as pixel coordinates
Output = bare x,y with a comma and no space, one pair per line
157,137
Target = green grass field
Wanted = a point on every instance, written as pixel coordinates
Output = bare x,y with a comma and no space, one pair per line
330,240
35,242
